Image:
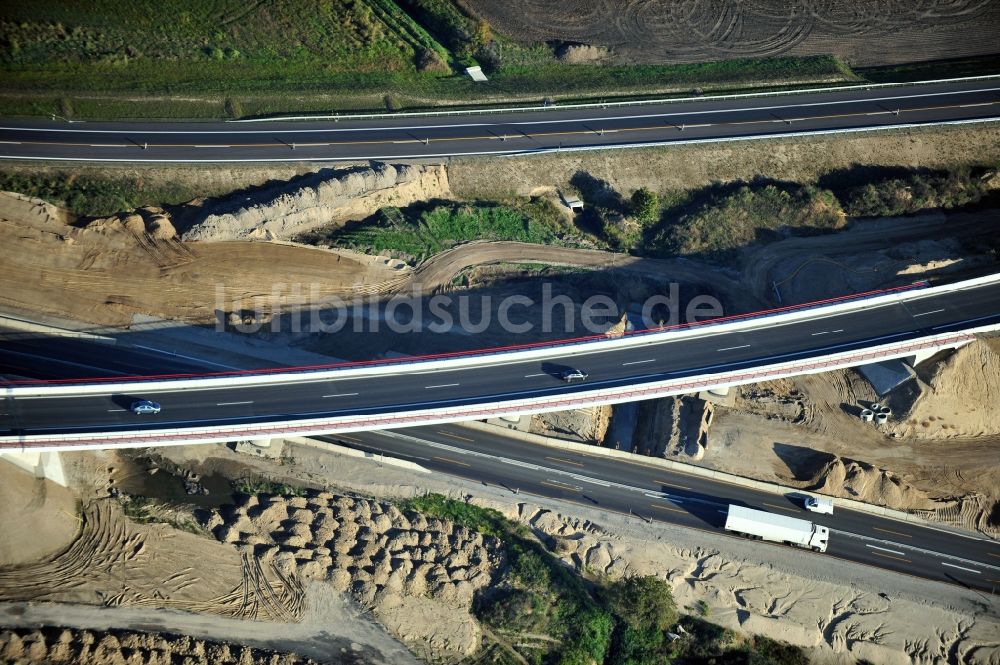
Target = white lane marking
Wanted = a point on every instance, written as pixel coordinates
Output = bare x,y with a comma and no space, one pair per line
341,395
876,547
528,376
825,332
441,385
935,311
639,362
838,330
233,403
971,570
730,348
116,410
528,122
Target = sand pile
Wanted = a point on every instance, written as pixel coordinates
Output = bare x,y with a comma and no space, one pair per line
318,200
961,395
113,561
112,268
37,516
418,575
864,482
85,647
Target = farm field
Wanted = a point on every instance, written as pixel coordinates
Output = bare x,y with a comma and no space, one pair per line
863,33
221,59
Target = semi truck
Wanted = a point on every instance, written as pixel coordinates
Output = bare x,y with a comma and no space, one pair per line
776,528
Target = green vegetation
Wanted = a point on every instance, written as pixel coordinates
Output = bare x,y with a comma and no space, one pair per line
915,192
252,485
645,205
484,520
548,614
419,232
933,70
144,510
95,196
721,220
220,58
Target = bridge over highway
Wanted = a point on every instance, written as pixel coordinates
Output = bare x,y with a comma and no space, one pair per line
913,321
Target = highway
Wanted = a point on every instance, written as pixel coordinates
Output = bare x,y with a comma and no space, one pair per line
501,133
496,379
653,493
635,487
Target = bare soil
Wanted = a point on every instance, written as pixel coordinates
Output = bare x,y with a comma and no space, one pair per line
862,32
106,270
839,611
796,159
54,644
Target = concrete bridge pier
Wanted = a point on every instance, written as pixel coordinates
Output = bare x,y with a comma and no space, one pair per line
40,465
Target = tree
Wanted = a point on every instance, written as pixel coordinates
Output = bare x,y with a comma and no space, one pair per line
645,205
643,602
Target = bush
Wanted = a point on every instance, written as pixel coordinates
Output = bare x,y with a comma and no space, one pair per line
723,220
638,646
920,191
643,602
645,205
765,651
483,520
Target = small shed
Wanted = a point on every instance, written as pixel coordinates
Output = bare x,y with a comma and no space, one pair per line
574,204
476,74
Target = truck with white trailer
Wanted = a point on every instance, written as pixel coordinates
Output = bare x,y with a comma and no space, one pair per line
776,528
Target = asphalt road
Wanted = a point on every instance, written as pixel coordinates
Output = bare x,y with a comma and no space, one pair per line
396,138
630,487
412,389
41,357
652,493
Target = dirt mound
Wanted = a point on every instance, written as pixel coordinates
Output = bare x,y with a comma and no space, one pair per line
85,647
576,54
387,560
114,561
37,517
960,396
864,482
319,200
111,268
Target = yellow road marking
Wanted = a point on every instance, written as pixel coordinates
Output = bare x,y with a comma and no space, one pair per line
564,461
889,556
904,535
455,436
671,509
560,486
663,482
791,510
994,554
452,461
347,438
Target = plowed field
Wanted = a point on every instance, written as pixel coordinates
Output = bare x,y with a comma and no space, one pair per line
862,32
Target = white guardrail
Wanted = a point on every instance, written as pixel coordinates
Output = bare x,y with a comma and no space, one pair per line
592,105
553,351
316,426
